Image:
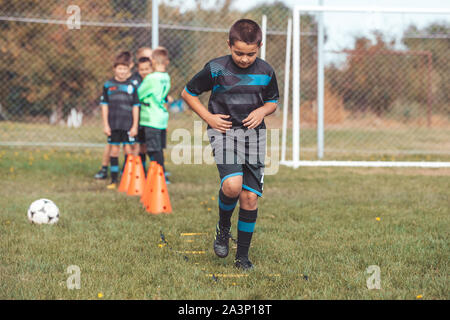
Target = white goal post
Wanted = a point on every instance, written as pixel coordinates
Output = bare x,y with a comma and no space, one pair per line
296,162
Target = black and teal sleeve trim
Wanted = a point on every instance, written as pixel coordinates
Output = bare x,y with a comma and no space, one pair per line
191,93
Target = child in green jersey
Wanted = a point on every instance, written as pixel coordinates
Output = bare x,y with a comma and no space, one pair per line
152,93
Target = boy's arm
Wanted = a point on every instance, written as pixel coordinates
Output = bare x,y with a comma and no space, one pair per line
215,121
134,127
106,127
255,117
135,112
104,105
270,97
200,83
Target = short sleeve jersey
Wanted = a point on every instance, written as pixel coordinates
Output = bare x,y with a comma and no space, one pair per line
235,91
120,97
152,93
135,79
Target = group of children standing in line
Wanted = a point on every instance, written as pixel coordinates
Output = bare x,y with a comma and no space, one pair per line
134,110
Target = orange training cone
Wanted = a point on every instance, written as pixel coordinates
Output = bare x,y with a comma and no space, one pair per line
150,174
126,175
158,197
137,182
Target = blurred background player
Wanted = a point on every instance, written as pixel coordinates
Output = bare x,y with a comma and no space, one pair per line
143,52
168,101
244,91
120,112
154,115
144,68
136,79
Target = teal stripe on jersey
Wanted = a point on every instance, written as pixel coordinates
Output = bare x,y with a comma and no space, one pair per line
259,80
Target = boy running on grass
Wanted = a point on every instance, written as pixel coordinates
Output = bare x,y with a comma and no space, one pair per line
120,112
154,116
243,91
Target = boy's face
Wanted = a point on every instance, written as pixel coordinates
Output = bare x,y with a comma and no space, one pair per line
121,72
144,69
243,54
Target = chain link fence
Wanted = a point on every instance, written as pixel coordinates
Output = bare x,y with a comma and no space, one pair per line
386,87
379,98
54,71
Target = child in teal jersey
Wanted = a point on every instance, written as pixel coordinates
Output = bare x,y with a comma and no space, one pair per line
120,112
244,91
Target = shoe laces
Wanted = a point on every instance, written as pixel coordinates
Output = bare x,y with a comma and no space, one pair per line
223,234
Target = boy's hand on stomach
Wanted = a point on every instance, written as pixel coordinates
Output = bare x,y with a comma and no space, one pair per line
218,122
254,119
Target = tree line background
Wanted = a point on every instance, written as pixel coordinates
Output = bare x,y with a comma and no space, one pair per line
47,68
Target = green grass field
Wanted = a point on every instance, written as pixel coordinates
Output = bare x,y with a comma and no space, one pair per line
357,142
318,230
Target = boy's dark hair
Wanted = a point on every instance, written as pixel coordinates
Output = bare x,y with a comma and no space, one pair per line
161,55
123,58
144,60
245,30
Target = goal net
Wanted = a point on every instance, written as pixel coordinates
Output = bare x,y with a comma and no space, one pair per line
370,87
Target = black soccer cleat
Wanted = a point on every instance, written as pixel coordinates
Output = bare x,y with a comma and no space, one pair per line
221,241
243,263
102,174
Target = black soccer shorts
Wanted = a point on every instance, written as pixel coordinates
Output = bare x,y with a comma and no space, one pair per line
164,138
240,152
154,139
141,135
163,135
120,136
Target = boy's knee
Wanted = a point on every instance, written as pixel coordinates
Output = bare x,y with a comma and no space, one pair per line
249,200
115,151
232,187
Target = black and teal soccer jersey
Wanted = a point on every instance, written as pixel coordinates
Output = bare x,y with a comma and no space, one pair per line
120,97
136,79
235,91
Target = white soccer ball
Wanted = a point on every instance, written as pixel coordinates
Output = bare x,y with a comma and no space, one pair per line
43,211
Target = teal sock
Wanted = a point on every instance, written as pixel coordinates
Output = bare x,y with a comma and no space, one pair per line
114,162
226,208
246,226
